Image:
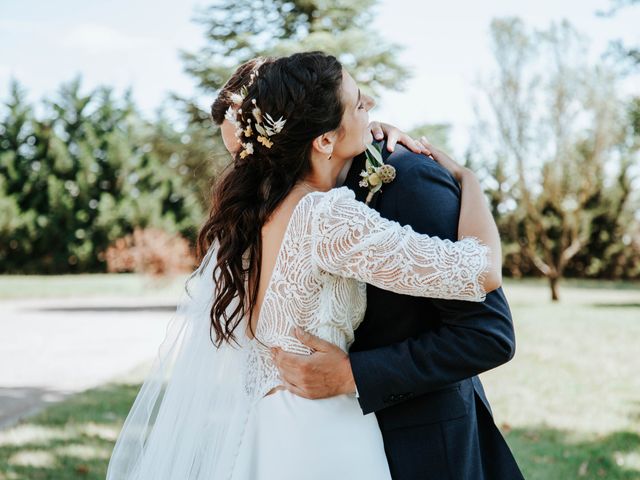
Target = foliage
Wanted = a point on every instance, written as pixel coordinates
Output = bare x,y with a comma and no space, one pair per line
238,30
81,175
631,53
150,251
555,131
91,169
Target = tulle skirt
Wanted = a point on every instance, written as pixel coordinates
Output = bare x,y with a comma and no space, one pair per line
290,437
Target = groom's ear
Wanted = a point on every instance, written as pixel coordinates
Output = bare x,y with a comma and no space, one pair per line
323,144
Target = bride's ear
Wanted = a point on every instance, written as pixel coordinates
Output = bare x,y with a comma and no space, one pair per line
324,144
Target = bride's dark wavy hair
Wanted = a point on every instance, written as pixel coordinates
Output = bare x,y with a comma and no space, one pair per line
304,89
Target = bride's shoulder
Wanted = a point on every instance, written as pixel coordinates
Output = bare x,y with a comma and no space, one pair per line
337,202
340,194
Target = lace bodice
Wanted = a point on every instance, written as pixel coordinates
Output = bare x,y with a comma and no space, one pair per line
332,247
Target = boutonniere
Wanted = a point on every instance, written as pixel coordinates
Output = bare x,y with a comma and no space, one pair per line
376,172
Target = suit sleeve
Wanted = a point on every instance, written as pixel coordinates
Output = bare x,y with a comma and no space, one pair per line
472,337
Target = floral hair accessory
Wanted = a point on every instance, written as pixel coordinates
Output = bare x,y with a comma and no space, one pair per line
231,116
247,149
265,126
376,172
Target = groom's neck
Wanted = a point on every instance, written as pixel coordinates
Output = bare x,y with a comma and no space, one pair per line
343,173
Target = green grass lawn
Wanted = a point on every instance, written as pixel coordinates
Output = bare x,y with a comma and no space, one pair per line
569,402
16,287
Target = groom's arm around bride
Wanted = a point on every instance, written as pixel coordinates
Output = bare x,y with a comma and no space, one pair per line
415,361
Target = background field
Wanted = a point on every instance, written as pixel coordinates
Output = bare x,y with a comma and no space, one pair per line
569,402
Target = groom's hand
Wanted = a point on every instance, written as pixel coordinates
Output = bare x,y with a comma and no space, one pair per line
324,373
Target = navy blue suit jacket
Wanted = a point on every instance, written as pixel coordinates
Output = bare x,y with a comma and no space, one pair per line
416,360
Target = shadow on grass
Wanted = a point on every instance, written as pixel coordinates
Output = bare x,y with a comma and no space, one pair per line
550,454
18,402
70,440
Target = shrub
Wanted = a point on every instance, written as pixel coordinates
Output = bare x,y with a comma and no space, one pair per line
150,251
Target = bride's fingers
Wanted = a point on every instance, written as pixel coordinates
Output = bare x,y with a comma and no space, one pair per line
376,130
404,139
425,145
395,136
392,139
424,142
409,142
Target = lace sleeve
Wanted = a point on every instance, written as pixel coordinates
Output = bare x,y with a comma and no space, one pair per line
353,240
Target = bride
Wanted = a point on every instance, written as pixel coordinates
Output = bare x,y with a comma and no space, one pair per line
283,249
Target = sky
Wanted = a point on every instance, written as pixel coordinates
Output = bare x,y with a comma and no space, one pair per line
135,43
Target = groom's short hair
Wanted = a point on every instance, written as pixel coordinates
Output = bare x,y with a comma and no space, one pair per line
240,78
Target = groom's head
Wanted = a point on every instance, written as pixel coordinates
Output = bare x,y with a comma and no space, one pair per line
240,78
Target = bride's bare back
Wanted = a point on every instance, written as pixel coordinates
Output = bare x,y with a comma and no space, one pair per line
273,232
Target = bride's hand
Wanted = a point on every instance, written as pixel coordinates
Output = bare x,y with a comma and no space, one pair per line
457,170
394,135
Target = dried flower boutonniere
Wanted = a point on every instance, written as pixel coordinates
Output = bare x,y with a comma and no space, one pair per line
376,172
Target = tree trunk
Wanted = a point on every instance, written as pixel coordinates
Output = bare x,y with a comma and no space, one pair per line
553,283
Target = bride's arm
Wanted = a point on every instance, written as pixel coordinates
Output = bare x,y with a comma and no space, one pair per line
353,240
476,221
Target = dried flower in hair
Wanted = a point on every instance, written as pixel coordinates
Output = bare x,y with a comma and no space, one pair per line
257,114
265,141
232,116
274,125
248,149
236,98
265,125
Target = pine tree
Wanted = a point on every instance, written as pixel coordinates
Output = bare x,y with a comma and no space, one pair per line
238,30
79,178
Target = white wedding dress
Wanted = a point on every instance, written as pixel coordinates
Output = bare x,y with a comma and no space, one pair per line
209,416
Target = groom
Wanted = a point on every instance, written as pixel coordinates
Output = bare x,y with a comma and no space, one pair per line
415,361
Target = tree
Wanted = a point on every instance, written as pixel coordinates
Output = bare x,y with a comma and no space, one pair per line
631,52
552,128
80,177
238,30
187,142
